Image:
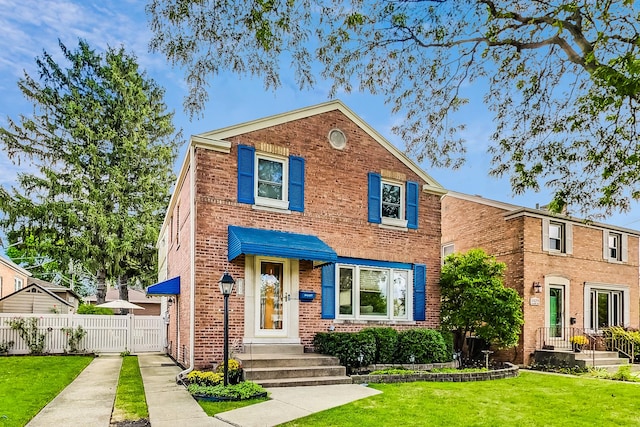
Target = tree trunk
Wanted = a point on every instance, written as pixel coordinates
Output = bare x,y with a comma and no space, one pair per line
101,288
123,292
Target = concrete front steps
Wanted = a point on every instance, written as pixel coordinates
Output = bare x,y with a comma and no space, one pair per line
287,365
586,358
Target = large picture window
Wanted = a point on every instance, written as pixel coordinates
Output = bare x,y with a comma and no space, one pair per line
373,293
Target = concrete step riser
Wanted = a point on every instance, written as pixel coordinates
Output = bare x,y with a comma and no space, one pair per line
305,382
273,349
267,374
287,363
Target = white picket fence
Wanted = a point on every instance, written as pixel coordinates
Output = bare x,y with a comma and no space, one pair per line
105,334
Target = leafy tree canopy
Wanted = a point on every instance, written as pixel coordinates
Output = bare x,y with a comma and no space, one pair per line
474,300
102,147
563,77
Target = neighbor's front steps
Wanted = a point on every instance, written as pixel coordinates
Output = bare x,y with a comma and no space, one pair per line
600,359
287,365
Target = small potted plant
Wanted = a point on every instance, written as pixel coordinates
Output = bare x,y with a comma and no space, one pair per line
578,342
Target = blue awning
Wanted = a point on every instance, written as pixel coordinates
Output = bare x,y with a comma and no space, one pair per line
255,241
168,287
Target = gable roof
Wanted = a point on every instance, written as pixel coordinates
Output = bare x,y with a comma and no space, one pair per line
52,286
12,265
219,135
35,285
215,140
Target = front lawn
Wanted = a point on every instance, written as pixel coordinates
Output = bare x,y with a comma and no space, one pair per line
532,399
28,383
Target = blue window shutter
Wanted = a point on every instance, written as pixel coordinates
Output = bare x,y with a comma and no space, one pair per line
375,183
329,291
412,204
246,162
296,183
419,291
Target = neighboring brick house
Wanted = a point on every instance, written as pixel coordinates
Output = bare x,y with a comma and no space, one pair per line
12,277
571,273
309,201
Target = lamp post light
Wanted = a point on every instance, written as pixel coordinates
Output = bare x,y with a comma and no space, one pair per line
226,283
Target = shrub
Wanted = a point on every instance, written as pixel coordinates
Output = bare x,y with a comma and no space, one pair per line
354,349
92,309
386,342
425,345
234,368
242,391
206,379
74,336
5,346
29,332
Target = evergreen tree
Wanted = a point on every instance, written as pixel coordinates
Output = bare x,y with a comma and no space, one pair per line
100,146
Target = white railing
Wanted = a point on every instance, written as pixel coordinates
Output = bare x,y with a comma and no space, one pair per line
105,334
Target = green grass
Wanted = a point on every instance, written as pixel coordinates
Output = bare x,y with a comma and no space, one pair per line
28,383
213,408
131,403
532,399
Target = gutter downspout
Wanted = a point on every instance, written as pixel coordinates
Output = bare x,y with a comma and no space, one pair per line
192,263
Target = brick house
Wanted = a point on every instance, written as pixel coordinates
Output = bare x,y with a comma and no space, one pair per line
323,223
573,275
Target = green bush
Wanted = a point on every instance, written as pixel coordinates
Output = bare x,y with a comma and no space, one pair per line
30,333
354,349
425,345
242,391
92,309
386,343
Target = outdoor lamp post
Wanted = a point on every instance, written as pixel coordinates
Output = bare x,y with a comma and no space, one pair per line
226,283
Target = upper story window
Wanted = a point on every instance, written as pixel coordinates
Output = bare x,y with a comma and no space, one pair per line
271,182
18,283
266,179
615,246
557,237
392,203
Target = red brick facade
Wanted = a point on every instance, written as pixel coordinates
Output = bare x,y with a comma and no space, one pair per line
515,235
335,210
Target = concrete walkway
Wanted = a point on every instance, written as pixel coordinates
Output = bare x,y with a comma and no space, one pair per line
170,404
88,400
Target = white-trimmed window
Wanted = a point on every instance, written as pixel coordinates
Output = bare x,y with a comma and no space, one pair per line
393,204
447,249
606,305
18,282
374,293
557,237
271,183
614,246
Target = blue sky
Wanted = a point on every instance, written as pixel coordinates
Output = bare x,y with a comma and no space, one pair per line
31,26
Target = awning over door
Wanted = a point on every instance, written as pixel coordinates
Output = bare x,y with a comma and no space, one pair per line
168,287
255,241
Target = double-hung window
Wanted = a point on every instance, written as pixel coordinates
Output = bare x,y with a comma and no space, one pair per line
557,237
19,283
270,180
393,203
615,246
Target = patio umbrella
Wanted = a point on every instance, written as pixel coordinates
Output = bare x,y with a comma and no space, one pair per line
120,303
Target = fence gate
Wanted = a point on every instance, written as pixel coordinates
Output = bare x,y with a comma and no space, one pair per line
105,334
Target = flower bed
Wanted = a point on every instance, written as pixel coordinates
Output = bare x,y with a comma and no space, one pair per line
509,372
